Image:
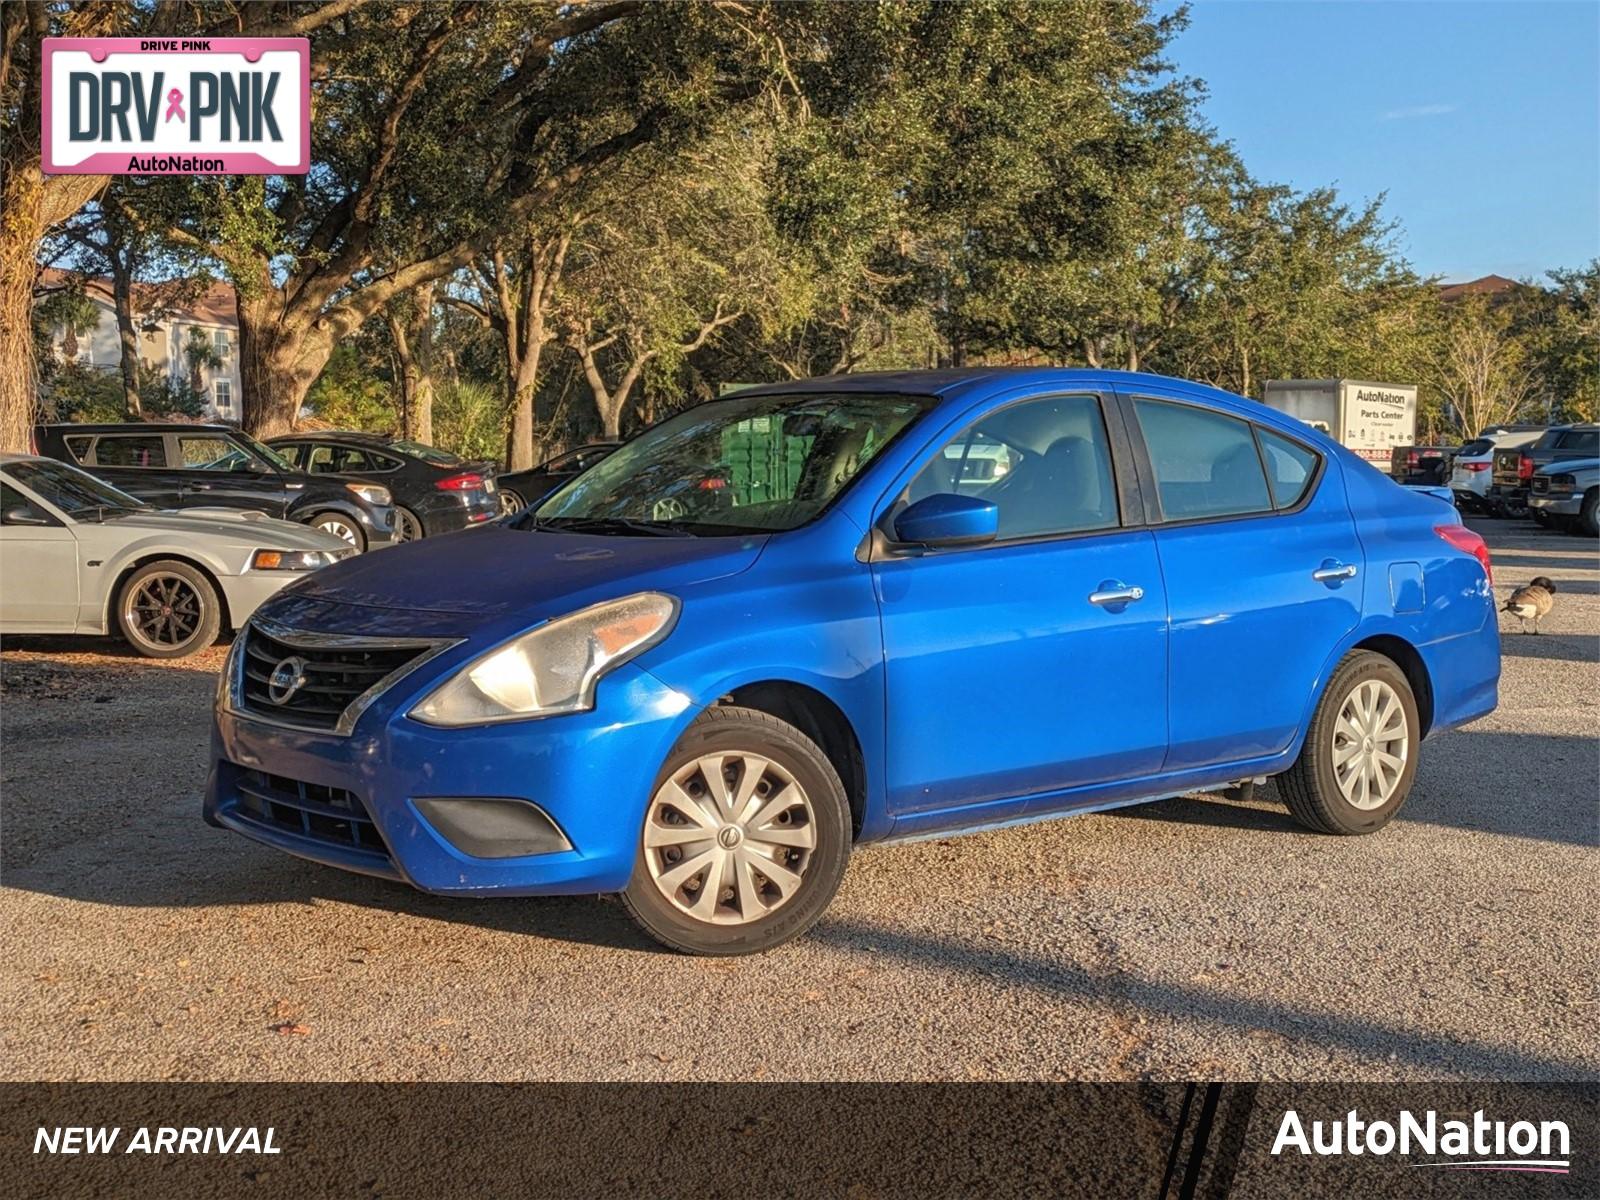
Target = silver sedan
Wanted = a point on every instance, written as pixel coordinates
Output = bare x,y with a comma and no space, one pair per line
79,556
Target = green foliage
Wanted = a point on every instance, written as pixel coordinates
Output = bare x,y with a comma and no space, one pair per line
352,395
469,418
80,393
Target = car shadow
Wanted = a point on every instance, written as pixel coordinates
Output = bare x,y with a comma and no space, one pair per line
1557,647
1496,794
1136,995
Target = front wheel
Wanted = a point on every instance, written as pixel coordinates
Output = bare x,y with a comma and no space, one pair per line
347,529
168,610
1589,514
1360,754
745,839
511,501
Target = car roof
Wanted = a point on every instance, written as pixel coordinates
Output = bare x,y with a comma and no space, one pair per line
334,435
11,456
946,381
138,427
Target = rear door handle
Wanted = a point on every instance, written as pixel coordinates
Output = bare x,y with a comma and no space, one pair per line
1332,572
1114,592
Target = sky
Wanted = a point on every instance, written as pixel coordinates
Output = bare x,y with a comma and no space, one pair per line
1480,120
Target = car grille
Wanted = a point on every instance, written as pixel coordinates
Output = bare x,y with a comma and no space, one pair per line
328,815
336,672
1539,483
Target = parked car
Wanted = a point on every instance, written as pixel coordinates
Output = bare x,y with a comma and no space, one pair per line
434,490
1567,494
1425,466
1514,465
1473,463
216,466
518,489
703,698
79,556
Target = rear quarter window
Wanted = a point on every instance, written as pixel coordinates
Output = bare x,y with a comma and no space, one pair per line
1291,467
78,446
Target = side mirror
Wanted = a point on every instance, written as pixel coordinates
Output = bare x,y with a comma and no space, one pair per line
23,515
948,519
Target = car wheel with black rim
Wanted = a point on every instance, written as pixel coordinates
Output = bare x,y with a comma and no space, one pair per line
407,525
511,501
1360,754
342,527
168,609
745,838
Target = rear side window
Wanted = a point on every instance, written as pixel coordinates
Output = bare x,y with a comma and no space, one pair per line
1586,440
1290,467
1205,463
131,450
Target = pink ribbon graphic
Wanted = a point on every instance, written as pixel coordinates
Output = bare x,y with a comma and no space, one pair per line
175,106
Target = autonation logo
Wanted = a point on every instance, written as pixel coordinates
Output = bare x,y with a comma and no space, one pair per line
1476,1145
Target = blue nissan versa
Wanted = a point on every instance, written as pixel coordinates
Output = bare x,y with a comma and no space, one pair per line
854,609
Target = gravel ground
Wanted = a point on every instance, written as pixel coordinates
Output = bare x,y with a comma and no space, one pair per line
1191,938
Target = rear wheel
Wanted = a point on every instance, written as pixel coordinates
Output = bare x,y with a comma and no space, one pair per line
168,609
342,527
511,501
745,839
407,525
1360,754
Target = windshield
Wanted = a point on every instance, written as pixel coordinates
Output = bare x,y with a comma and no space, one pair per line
266,452
427,453
72,491
746,464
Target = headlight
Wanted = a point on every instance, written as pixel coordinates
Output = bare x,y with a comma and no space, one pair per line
296,560
372,493
553,669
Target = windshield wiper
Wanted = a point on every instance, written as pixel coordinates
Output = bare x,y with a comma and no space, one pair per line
611,525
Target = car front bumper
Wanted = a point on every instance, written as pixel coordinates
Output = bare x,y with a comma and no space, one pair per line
1557,504
352,802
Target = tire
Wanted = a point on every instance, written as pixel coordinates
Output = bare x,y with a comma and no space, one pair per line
511,501
1589,514
168,609
790,764
1541,518
1311,787
407,525
348,529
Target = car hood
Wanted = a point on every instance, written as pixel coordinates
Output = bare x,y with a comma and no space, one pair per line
495,570
236,526
1569,466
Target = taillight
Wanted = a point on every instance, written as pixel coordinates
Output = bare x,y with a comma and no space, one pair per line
460,483
1465,540
712,483
1524,467
1475,466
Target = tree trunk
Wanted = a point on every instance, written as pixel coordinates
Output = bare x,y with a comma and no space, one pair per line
421,342
525,392
19,242
280,357
122,296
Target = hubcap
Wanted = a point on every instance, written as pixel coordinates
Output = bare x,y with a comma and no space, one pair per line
728,838
510,503
406,528
339,529
164,610
1371,742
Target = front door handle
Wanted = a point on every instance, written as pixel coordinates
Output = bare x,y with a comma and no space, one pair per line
1113,592
1332,572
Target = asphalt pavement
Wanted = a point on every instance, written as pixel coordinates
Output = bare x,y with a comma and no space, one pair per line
1197,937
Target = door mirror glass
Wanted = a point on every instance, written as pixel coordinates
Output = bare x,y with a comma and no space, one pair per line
948,519
22,514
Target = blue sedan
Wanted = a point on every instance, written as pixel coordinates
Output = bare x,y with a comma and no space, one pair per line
849,610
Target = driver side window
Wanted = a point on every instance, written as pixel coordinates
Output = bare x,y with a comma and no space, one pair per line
1046,464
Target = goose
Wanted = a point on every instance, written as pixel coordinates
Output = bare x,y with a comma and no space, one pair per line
1532,602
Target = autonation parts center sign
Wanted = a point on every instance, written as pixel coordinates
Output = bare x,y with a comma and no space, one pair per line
177,106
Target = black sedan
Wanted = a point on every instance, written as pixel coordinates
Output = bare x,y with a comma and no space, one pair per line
518,489
434,491
174,466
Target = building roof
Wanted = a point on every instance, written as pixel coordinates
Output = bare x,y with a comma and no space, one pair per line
215,305
1488,285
